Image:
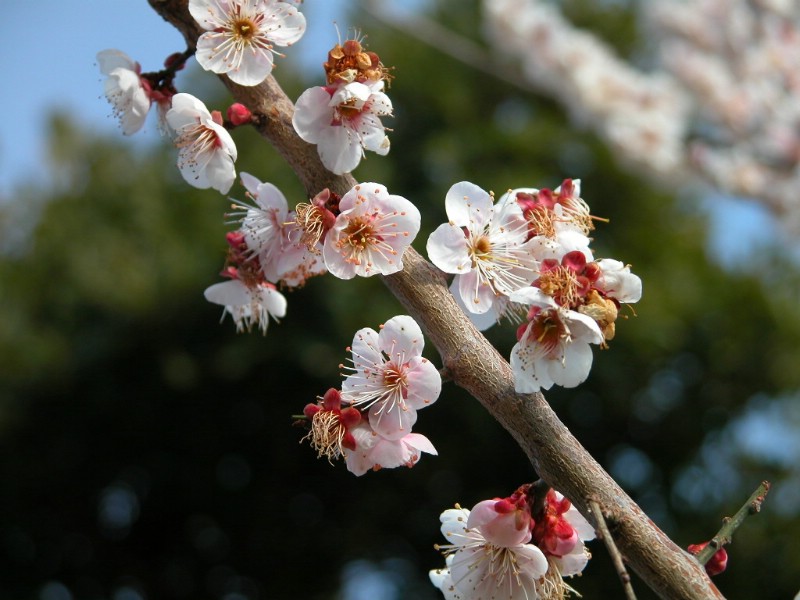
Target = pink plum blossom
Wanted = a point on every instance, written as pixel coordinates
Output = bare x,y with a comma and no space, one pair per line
480,565
272,234
125,90
343,121
374,451
206,150
391,379
371,233
484,245
240,35
560,532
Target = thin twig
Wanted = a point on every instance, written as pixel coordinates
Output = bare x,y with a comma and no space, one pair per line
616,558
730,524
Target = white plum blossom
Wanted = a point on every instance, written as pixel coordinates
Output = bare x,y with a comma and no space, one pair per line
240,35
391,379
553,347
206,149
124,89
271,232
374,451
371,233
343,121
482,564
484,246
249,306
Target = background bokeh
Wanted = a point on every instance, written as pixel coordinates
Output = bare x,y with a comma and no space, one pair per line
147,451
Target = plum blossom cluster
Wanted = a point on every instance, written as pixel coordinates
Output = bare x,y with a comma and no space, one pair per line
266,251
363,233
516,547
369,422
528,257
343,117
239,42
721,105
206,151
241,35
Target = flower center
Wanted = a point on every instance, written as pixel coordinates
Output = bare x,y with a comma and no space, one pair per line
481,250
359,234
311,221
562,284
548,330
394,378
348,110
244,30
540,222
327,434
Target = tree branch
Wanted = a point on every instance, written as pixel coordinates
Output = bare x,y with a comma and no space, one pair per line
605,534
475,364
730,524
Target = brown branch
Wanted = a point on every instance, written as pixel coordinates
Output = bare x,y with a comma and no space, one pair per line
605,534
475,364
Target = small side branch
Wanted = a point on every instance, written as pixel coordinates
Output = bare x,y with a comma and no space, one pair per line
730,524
605,535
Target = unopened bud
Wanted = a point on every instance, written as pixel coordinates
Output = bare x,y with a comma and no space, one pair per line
717,563
239,114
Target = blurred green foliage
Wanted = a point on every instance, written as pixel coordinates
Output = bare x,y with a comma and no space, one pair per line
148,452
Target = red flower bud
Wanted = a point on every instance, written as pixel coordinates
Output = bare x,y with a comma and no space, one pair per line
239,114
717,563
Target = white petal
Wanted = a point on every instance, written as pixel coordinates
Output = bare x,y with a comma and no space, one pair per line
467,205
228,293
424,383
391,424
312,114
447,249
618,281
339,149
574,368
111,59
530,375
401,339
255,67
206,12
478,295
289,27
366,349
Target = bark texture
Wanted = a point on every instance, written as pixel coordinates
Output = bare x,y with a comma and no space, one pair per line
475,365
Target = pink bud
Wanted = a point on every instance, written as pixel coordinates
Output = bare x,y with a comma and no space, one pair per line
501,529
717,563
239,114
